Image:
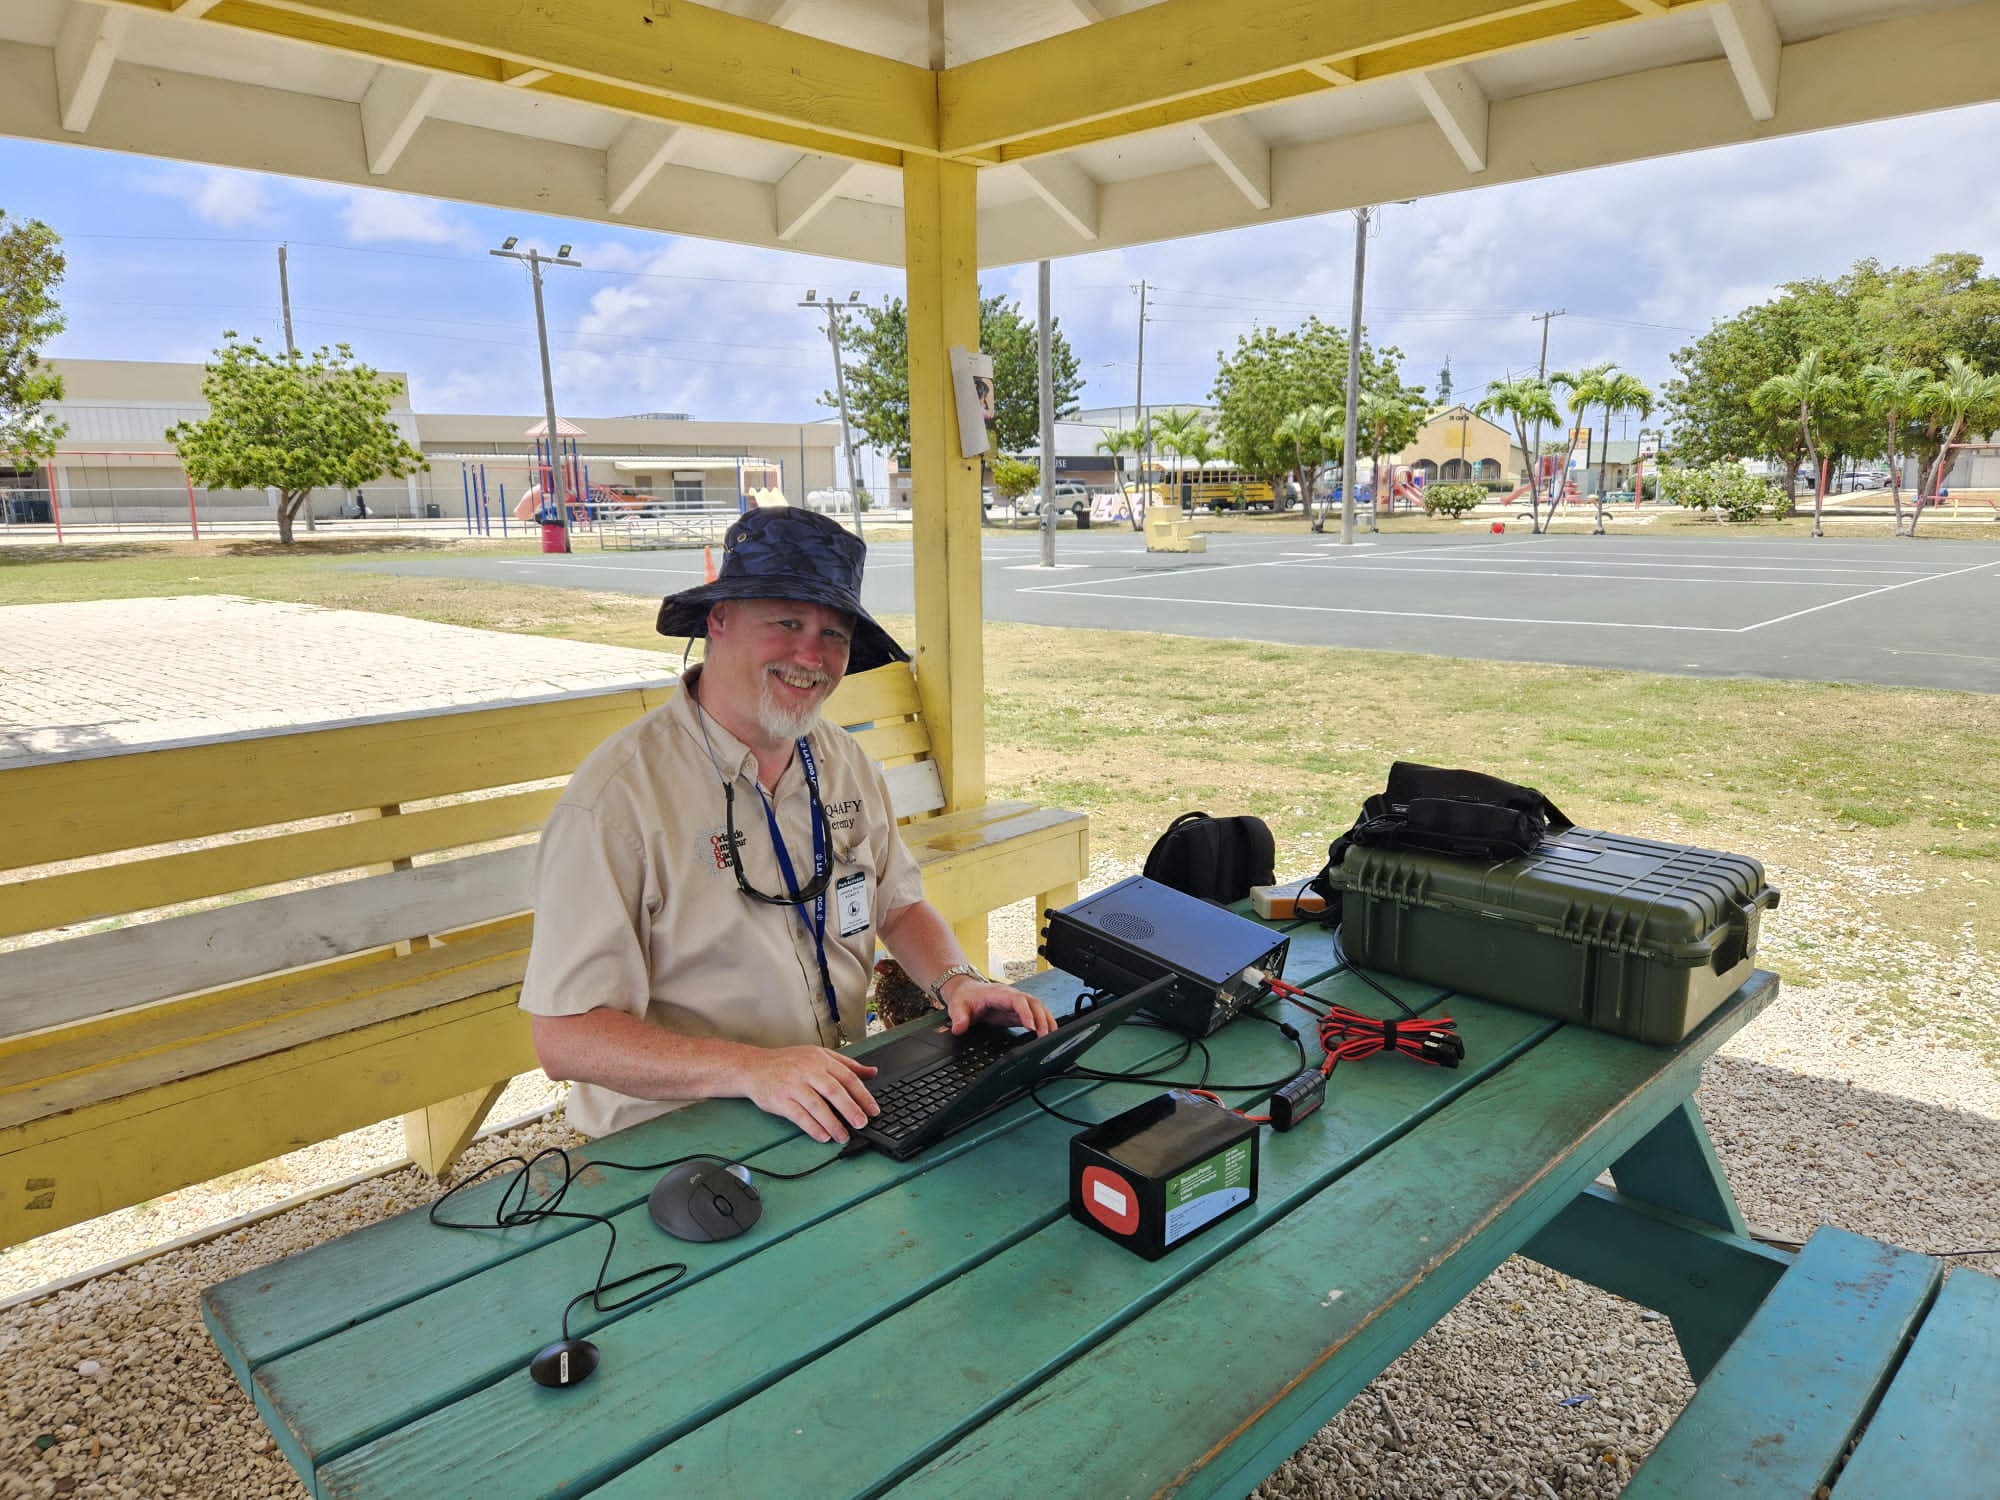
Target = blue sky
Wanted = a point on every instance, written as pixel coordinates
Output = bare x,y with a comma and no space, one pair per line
163,257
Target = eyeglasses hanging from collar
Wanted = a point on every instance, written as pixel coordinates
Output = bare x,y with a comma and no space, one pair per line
814,888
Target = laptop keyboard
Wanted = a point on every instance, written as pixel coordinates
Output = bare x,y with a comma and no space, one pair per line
908,1103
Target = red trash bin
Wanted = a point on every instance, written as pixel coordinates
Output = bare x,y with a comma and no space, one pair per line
552,537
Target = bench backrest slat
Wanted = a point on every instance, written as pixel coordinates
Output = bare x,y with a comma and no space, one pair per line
195,874
94,805
55,983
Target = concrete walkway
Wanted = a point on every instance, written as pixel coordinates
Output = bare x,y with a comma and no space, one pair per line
122,672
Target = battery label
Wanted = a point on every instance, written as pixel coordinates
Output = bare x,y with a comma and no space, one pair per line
1206,1191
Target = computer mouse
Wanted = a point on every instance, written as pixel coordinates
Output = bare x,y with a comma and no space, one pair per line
705,1200
565,1362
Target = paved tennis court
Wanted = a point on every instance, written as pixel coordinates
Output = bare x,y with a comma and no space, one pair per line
1923,613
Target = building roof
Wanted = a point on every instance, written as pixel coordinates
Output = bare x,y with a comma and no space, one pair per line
1095,123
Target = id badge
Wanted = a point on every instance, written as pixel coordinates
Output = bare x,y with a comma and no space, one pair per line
850,902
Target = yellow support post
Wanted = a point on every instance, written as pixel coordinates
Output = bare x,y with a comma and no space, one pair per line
940,248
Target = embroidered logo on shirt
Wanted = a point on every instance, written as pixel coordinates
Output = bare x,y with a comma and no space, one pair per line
718,845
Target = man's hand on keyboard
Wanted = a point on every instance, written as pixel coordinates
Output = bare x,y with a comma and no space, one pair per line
967,1000
819,1091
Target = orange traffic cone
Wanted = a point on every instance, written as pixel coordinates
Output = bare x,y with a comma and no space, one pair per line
708,564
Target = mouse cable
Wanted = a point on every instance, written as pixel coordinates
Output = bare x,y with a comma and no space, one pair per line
514,1211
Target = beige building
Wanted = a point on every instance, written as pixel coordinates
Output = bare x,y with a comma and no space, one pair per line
1457,445
116,465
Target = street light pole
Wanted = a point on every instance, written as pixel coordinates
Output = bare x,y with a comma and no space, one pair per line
840,395
1352,430
535,260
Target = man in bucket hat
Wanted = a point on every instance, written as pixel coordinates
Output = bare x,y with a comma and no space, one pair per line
712,886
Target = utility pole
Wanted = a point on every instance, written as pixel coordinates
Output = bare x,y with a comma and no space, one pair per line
285,297
1542,373
832,310
1046,379
1542,368
1351,430
535,261
1139,401
291,349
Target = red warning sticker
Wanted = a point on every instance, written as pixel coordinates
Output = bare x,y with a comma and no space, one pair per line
1110,1200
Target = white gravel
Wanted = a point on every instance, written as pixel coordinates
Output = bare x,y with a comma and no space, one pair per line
1819,1115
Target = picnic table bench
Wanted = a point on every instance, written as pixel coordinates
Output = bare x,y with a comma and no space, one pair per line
217,951
943,1327
1865,1371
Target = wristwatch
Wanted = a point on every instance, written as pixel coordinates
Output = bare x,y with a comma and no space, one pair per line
954,972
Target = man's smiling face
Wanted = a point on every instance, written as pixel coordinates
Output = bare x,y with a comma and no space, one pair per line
772,663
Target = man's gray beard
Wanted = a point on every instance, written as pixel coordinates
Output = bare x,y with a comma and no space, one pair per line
779,722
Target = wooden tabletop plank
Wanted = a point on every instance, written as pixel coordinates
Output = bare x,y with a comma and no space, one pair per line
1251,1359
1937,1431
1777,1412
950,1360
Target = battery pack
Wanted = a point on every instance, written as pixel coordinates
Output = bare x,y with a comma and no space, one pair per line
1157,1175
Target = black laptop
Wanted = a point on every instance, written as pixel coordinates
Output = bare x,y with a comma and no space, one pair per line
931,1084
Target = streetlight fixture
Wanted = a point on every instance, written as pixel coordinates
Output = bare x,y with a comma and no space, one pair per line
832,309
535,260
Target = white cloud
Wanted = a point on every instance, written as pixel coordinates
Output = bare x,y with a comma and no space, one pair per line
373,218
226,200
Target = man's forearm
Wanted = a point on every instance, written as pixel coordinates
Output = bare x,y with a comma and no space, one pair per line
625,1054
921,941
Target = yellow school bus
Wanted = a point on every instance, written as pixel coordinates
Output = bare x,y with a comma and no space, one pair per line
1219,486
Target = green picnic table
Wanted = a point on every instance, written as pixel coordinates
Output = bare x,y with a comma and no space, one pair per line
943,1327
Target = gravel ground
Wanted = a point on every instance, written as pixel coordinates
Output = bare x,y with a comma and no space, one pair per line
113,1388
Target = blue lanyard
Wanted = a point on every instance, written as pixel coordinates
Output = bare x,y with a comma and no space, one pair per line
816,928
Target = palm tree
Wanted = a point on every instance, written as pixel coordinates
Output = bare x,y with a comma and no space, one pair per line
1585,388
1527,402
1617,393
1806,389
1307,428
1118,441
1965,397
1892,393
1174,431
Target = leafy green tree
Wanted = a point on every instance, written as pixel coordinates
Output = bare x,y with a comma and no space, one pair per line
1014,477
1315,434
1389,417
1805,391
1892,395
1275,372
31,268
877,342
1965,397
293,423
1527,402
1119,441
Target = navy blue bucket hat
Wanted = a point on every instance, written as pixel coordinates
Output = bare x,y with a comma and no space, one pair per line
780,552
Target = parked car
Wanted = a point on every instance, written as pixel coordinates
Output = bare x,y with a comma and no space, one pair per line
1070,496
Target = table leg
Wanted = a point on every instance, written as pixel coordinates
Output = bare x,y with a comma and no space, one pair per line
1671,1238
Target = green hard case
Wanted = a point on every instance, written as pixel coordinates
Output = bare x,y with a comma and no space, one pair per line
1623,934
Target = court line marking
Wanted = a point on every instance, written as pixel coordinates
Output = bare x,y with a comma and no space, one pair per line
1396,614
1888,588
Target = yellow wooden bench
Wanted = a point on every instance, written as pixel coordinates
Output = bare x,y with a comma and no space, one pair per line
219,951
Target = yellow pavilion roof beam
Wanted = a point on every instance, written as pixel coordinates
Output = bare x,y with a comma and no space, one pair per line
1184,61
671,60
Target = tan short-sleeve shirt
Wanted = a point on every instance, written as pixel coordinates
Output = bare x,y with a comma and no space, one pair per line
637,909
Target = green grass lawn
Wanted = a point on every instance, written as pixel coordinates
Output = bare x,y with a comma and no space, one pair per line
1876,809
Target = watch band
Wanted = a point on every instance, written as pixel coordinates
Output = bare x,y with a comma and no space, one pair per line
954,972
